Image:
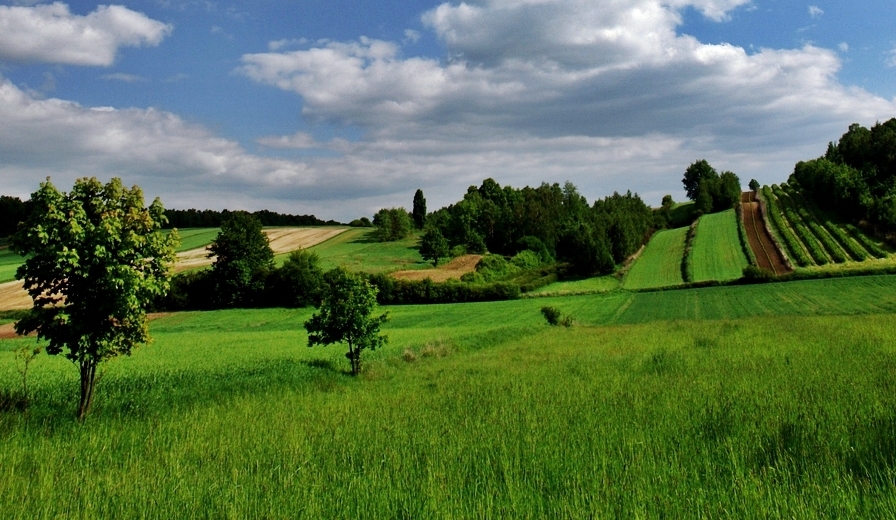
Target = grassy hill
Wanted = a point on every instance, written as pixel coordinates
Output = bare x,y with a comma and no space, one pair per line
717,253
660,263
357,250
778,404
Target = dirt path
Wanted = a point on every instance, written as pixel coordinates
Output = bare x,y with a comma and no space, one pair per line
454,269
767,255
283,240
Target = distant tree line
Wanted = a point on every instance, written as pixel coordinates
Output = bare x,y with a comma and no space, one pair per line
856,177
194,218
12,211
551,220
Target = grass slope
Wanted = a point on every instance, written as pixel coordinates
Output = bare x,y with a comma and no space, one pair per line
228,414
9,262
660,263
717,253
356,250
194,238
598,284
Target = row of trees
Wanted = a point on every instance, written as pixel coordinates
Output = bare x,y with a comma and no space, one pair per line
12,211
710,190
551,219
194,218
856,177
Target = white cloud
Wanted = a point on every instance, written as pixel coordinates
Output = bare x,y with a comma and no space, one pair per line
843,46
126,78
410,36
52,34
815,12
891,60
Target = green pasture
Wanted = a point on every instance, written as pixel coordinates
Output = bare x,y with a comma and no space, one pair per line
9,262
194,238
660,263
597,284
357,250
717,253
482,410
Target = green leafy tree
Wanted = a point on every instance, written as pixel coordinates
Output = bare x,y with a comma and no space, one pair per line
345,316
434,246
728,192
95,259
243,257
419,210
392,224
298,282
698,172
754,185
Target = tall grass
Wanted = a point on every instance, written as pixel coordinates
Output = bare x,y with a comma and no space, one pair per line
228,414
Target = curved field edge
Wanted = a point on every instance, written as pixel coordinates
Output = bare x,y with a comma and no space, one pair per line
660,263
230,414
717,253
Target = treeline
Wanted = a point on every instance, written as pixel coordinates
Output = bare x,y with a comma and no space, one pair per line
194,218
856,177
550,219
12,211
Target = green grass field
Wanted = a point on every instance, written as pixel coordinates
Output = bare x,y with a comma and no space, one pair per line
194,238
717,253
9,262
482,410
597,284
660,263
356,250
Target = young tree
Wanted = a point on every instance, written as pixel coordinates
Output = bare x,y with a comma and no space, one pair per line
434,246
392,224
728,192
754,185
419,211
95,259
298,283
243,256
346,316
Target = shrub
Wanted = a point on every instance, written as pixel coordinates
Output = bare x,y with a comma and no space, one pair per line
552,315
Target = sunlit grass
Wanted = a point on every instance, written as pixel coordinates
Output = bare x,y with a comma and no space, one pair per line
660,263
717,253
357,250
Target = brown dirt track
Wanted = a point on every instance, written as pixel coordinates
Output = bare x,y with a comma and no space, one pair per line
283,240
767,255
452,270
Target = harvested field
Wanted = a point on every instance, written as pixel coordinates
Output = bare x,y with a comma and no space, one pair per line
283,240
452,270
767,255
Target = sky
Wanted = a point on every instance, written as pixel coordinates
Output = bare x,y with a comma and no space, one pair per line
340,107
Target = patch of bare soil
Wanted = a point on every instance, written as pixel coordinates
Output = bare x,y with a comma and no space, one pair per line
8,331
283,240
452,270
767,255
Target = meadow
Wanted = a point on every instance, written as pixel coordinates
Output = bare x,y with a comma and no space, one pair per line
781,408
9,262
194,238
660,263
717,253
357,250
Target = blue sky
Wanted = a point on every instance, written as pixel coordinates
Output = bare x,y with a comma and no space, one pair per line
340,107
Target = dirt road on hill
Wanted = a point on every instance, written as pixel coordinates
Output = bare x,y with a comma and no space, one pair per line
283,240
452,270
767,255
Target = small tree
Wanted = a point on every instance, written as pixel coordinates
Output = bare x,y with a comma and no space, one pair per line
728,192
346,316
298,283
697,173
392,224
434,246
95,259
754,185
243,256
419,210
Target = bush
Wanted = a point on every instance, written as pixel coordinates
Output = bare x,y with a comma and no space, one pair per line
392,224
298,283
401,292
555,318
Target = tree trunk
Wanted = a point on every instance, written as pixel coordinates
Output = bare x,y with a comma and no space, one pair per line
88,383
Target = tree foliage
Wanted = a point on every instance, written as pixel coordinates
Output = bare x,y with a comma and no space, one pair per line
695,174
346,316
709,190
392,224
419,210
12,211
95,259
299,282
433,246
243,255
856,177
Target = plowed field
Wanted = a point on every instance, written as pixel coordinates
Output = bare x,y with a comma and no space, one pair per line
767,255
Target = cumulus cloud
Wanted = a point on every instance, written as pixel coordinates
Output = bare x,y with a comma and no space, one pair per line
52,34
815,11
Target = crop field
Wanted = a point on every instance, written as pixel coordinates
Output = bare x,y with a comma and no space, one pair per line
9,262
357,250
482,410
194,238
660,263
717,253
598,284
